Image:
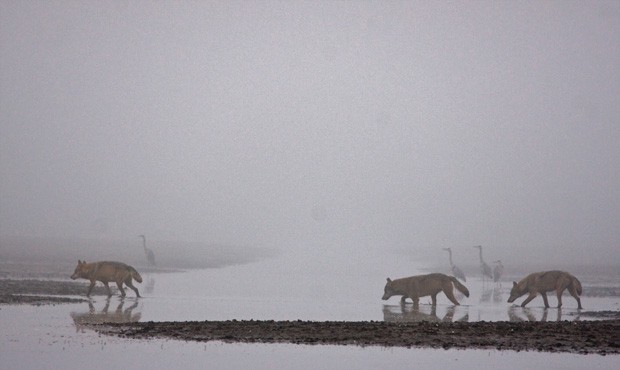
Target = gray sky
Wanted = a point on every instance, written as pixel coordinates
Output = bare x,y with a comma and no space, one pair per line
396,125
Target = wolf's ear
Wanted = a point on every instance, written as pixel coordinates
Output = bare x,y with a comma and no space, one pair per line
514,283
389,280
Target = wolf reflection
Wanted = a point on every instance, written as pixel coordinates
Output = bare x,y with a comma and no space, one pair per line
119,315
413,313
520,314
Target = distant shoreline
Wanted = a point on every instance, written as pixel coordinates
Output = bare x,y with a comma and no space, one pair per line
169,255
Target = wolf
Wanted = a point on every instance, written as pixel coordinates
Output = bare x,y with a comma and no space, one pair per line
83,319
107,271
543,282
415,287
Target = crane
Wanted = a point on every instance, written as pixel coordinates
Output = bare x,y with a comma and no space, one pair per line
457,272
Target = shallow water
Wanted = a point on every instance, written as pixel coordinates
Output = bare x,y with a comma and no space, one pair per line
45,337
291,288
287,288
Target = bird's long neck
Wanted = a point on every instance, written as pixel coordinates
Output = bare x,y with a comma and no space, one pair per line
480,252
450,256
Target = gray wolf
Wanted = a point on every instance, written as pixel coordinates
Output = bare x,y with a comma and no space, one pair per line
543,282
418,286
107,271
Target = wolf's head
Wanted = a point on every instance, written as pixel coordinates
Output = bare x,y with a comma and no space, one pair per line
516,292
81,270
388,291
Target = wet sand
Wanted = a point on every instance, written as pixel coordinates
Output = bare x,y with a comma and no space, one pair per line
41,292
599,336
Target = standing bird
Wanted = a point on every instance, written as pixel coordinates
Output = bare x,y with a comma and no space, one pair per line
498,271
457,272
150,256
484,267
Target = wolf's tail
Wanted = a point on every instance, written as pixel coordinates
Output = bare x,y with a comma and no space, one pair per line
136,275
460,287
577,285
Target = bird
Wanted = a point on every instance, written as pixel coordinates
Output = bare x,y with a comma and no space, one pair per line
484,267
455,270
498,271
150,256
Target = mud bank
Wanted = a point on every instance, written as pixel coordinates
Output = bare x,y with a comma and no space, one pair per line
40,292
583,337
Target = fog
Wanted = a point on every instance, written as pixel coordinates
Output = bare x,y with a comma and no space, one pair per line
315,127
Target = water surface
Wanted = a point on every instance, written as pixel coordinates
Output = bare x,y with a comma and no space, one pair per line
285,288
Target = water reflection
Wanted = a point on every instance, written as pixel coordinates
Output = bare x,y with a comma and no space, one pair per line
492,294
149,285
518,314
497,295
408,313
119,315
487,293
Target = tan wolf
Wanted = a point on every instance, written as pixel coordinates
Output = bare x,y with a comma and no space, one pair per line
107,271
543,282
418,286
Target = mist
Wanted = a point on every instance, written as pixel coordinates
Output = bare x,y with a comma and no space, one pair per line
316,127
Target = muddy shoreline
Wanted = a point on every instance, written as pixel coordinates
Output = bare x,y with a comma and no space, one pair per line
583,337
42,292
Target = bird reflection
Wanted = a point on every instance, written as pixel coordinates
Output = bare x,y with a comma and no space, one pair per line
487,293
497,295
149,285
119,315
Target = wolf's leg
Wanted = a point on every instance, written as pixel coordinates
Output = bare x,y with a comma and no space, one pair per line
572,292
108,288
529,299
119,284
402,299
450,294
434,299
107,306
129,284
559,294
578,302
416,302
544,295
90,288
